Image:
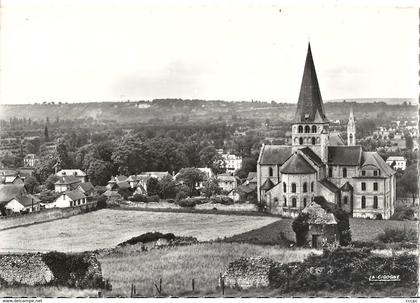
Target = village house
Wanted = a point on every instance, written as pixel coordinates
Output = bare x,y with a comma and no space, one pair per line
233,162
22,204
139,182
118,182
86,188
30,160
227,182
12,179
397,162
9,192
66,183
68,199
289,176
77,173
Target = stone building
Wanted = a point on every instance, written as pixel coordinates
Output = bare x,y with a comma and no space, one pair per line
318,163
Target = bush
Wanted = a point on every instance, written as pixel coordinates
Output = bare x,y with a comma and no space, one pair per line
148,237
398,235
403,213
138,198
221,200
187,203
125,193
154,198
101,203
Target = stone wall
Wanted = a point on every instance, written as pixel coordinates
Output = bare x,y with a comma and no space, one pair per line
59,269
232,207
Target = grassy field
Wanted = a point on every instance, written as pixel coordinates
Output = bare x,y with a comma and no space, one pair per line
106,228
361,230
178,265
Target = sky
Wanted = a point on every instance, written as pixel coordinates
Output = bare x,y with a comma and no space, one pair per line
84,51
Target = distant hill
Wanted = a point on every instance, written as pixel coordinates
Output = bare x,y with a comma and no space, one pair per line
200,110
390,101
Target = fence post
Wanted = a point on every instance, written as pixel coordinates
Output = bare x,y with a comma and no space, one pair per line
192,284
160,286
132,290
222,284
135,293
99,294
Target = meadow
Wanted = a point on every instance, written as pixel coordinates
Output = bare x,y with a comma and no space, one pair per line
177,266
106,228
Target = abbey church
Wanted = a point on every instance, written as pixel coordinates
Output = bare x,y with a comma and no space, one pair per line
318,163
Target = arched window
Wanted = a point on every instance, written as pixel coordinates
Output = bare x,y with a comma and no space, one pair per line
293,202
285,202
284,187
313,140
312,186
363,186
305,187
363,202
270,171
346,199
344,172
300,129
293,187
314,128
307,129
304,202
375,202
300,141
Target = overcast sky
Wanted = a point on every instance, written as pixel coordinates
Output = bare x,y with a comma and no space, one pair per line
79,51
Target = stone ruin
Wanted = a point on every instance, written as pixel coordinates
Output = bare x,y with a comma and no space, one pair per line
250,272
59,269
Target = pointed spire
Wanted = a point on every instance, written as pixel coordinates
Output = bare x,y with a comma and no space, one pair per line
310,100
351,116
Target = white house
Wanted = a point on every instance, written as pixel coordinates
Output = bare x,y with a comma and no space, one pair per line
77,173
30,160
397,162
68,199
227,182
26,203
233,162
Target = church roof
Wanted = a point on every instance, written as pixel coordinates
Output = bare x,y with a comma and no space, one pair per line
336,140
312,155
274,154
310,107
329,185
268,184
297,164
344,155
373,158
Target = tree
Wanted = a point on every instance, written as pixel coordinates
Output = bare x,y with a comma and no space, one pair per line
63,159
207,155
190,177
153,187
211,187
31,184
409,182
46,135
50,181
99,172
44,168
408,142
248,165
167,187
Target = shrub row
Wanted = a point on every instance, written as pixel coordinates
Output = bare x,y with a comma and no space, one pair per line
144,198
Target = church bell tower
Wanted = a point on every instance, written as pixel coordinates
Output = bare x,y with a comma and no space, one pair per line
310,127
351,130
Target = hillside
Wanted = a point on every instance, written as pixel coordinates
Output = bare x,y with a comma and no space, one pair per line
198,110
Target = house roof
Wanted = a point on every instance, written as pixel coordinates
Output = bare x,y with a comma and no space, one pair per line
26,200
247,189
8,172
74,195
395,158
373,158
123,185
156,174
71,172
310,107
329,185
336,140
10,179
110,193
318,215
10,191
344,155
346,187
267,185
226,177
274,154
67,180
87,186
311,155
120,178
297,164
251,175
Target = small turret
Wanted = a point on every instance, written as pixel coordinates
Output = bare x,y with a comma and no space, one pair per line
351,130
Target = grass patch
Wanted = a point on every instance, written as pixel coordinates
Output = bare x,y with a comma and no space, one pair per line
178,265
